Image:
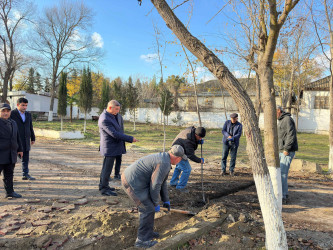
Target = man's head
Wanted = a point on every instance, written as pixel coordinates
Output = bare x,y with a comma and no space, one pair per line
5,111
177,154
22,104
113,107
279,111
200,132
234,117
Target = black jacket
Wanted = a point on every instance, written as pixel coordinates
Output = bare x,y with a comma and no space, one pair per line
10,143
287,137
25,129
187,140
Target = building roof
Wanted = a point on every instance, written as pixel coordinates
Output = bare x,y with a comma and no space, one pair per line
322,84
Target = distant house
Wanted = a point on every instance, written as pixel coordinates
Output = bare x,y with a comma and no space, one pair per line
40,104
212,96
316,94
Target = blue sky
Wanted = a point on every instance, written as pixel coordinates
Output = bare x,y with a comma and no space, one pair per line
126,34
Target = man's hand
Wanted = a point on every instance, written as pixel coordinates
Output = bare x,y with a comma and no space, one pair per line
229,137
135,140
20,154
157,208
32,142
285,152
167,205
202,160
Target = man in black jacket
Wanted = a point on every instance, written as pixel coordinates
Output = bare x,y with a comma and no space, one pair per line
189,139
287,139
24,122
10,147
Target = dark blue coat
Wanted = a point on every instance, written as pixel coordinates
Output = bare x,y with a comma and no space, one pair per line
237,132
112,135
10,143
25,129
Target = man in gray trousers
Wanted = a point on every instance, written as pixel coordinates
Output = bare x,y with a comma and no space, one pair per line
145,181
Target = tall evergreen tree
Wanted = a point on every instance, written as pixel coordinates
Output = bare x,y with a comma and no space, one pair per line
62,97
105,98
119,94
132,98
165,105
86,92
31,81
38,81
47,85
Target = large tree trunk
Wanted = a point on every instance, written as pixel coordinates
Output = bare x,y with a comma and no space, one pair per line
258,97
53,88
275,233
5,87
270,129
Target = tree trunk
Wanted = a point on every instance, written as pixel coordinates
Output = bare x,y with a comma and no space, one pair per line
134,120
275,233
61,126
85,123
258,97
270,129
71,112
5,87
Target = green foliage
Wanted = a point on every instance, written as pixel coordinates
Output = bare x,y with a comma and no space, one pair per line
39,85
166,101
86,91
62,95
105,98
118,92
47,85
31,81
131,95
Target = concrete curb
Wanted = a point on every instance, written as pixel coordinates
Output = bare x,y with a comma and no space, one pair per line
59,134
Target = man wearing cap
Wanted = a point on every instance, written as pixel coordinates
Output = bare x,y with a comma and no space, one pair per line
189,139
287,140
145,181
232,131
10,147
23,120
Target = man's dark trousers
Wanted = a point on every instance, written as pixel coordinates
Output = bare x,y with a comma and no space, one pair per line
146,226
233,153
8,173
106,171
25,163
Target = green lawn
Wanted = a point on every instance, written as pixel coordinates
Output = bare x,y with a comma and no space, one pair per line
312,147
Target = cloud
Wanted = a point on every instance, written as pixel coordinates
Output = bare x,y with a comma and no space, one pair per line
97,40
322,60
242,74
149,57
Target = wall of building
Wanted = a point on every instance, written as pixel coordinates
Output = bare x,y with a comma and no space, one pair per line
310,120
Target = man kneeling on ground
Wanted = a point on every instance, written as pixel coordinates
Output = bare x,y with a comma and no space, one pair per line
145,181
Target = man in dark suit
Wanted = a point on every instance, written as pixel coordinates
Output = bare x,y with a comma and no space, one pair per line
112,144
24,122
10,147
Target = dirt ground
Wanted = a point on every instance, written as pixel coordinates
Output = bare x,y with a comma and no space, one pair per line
62,208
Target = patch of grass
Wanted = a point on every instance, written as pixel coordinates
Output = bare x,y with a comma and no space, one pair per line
312,147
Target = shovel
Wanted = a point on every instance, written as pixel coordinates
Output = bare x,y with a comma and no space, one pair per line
202,187
178,211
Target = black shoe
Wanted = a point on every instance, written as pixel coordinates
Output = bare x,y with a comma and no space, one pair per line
117,177
144,244
155,235
109,193
284,201
111,189
28,177
14,195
